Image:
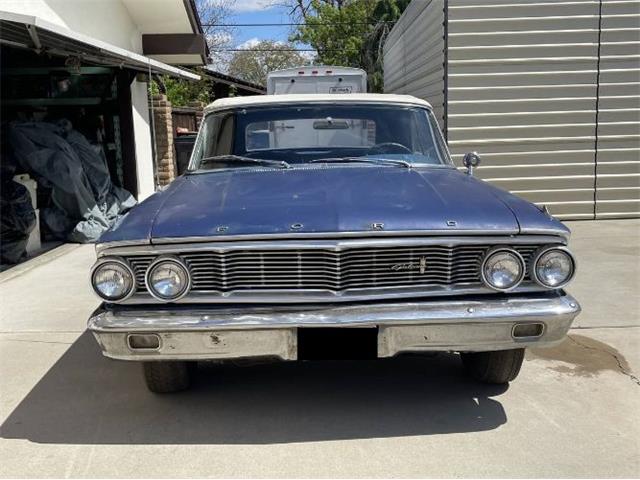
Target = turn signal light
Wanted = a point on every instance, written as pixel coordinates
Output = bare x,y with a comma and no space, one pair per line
144,341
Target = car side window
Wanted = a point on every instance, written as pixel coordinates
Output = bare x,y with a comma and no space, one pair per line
218,135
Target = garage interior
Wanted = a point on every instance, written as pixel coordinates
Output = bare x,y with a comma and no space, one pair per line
61,83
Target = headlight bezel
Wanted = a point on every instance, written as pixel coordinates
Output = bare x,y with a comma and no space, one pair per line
167,259
100,263
516,254
540,253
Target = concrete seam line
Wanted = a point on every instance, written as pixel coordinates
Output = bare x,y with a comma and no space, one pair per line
38,341
37,261
633,378
29,332
604,327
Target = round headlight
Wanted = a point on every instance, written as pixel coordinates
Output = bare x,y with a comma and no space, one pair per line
168,279
503,269
554,267
112,280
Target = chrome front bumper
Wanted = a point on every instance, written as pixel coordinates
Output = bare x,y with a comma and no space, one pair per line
209,333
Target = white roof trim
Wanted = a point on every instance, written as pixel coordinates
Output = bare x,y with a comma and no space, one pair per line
127,57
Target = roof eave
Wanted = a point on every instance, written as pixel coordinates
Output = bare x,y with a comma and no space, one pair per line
107,52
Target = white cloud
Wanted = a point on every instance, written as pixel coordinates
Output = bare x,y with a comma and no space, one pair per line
251,5
308,56
219,38
248,44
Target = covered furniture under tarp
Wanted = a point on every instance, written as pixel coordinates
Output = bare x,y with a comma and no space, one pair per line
84,200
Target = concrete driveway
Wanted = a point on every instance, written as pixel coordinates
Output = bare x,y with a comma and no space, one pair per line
574,411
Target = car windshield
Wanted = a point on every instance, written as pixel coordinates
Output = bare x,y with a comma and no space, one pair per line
296,135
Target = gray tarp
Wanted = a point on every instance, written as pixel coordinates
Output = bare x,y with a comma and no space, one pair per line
85,203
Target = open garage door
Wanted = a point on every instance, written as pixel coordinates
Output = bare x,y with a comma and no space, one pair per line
34,33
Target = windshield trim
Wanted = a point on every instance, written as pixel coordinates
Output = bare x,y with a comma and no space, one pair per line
315,166
445,153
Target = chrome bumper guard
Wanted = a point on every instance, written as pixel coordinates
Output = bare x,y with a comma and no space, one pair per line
210,333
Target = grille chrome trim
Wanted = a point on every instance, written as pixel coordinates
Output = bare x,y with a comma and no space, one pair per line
558,234
345,270
334,245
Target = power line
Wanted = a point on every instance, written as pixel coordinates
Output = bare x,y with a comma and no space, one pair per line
292,24
275,49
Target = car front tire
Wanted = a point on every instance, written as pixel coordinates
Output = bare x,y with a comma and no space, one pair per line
167,377
497,367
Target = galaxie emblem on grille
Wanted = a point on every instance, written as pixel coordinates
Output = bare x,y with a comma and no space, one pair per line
404,267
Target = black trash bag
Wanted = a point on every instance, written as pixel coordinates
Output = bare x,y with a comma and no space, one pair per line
17,221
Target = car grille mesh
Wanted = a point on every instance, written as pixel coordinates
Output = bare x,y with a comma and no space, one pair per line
337,271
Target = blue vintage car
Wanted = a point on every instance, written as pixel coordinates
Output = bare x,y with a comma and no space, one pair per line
312,226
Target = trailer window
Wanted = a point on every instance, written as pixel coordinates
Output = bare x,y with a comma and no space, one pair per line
310,133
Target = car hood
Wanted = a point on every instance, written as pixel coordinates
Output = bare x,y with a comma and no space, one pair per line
326,199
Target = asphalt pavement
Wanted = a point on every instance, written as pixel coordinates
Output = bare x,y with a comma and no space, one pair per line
66,411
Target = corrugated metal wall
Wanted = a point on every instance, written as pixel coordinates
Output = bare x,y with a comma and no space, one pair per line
414,54
618,158
522,89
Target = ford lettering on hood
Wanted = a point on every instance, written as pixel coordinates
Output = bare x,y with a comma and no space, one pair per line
328,199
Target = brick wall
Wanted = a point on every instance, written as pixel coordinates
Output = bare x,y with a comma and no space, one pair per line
165,155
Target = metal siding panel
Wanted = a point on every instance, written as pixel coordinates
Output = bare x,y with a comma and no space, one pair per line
538,158
414,54
562,196
522,92
521,118
628,193
533,85
618,165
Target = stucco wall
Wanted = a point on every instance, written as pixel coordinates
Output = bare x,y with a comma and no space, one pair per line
107,20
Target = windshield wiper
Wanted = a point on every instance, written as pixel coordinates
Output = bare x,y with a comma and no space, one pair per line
241,159
378,161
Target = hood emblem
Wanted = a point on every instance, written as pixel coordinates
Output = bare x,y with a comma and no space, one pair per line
296,226
377,226
405,267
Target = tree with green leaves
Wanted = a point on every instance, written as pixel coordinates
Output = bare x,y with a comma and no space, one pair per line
256,60
384,16
349,33
182,92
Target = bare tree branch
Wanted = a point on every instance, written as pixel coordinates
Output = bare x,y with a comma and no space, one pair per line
214,13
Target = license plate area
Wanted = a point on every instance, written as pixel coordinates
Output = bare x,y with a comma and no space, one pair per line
337,343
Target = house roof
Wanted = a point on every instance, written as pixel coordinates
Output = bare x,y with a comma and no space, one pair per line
229,80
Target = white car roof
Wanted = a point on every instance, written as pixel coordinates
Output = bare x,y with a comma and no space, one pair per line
258,100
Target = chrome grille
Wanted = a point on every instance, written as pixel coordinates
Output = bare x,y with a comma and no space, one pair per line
139,266
326,269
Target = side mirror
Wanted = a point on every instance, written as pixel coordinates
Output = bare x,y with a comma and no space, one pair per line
471,160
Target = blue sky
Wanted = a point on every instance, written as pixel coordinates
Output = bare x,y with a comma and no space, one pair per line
253,11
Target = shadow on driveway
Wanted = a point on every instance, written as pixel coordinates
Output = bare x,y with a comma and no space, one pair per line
87,399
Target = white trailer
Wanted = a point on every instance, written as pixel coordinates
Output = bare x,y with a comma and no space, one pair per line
317,79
